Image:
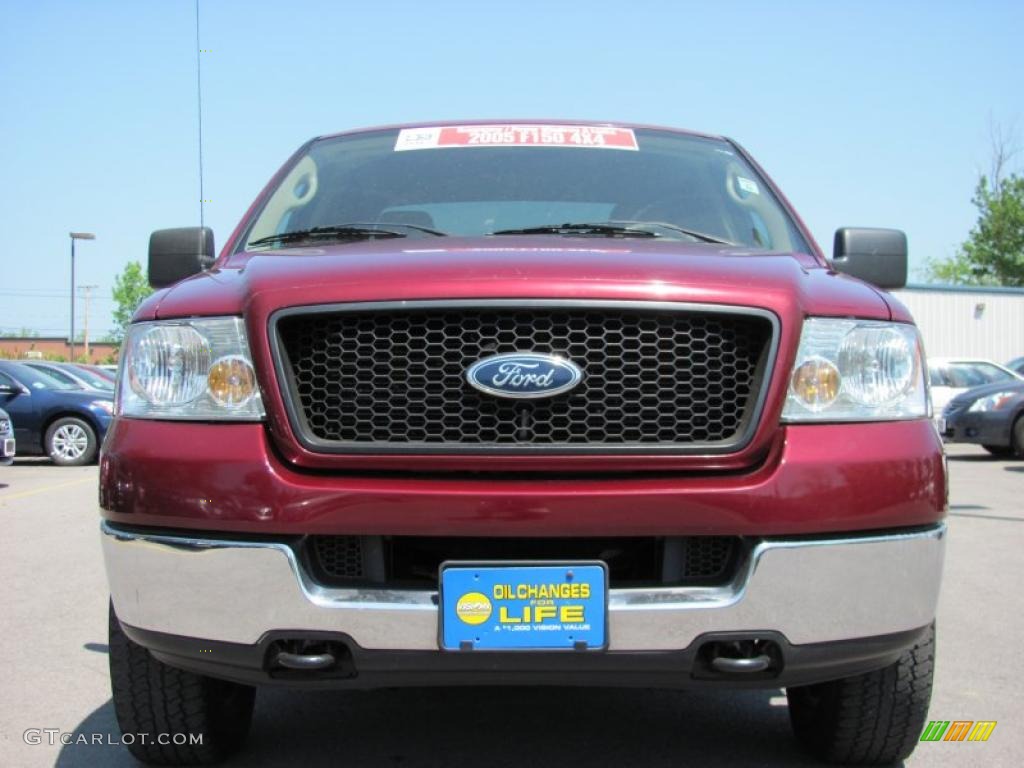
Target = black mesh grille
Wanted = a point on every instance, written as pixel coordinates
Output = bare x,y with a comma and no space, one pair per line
415,560
397,377
707,557
339,557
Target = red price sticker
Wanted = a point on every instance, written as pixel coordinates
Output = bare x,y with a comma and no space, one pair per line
583,136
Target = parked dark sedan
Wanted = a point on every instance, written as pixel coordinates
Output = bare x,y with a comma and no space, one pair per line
6,439
53,418
991,416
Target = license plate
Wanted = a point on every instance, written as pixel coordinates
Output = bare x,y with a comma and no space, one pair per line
532,606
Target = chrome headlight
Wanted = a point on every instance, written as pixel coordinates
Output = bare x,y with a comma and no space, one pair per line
857,370
993,402
190,370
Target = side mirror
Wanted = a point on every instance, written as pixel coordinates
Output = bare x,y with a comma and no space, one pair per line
877,256
175,254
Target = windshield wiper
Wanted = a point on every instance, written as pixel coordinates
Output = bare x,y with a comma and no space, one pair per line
352,231
614,229
608,229
703,237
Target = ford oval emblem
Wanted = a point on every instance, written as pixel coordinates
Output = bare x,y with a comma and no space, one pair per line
524,375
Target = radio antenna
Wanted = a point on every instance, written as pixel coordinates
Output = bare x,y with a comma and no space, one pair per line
199,99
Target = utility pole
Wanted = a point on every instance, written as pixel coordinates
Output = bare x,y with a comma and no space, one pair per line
75,236
86,292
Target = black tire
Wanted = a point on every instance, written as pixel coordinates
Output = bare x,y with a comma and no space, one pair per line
152,698
999,450
71,442
870,719
1017,437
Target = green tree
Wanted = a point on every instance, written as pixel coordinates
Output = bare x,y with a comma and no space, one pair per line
993,253
130,288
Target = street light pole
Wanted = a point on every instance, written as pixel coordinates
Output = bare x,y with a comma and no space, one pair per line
75,236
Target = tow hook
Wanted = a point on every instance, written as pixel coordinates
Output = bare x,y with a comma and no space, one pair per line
305,661
748,656
754,664
309,657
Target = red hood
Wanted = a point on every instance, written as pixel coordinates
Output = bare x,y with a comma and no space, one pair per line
518,267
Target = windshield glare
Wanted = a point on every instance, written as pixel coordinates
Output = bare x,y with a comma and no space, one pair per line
695,183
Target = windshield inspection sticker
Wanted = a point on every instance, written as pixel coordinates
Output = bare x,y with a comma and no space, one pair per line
747,185
586,136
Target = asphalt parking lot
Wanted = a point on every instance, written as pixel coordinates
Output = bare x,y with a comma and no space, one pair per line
54,617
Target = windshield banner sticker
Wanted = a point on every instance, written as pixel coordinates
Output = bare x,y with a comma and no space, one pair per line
586,136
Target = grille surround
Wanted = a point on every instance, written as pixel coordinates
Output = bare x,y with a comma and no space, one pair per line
759,385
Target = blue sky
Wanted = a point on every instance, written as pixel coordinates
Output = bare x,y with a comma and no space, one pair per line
868,113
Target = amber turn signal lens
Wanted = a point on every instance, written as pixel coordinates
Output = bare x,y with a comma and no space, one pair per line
816,383
231,381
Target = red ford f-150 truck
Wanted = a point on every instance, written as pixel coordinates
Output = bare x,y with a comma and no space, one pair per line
523,403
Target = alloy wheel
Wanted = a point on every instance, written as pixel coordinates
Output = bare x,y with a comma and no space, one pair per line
70,442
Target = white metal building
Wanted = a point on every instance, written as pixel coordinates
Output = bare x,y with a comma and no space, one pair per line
968,322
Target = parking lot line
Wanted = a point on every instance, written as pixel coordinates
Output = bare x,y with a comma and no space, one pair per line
34,491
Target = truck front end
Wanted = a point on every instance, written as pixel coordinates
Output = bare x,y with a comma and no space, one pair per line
549,404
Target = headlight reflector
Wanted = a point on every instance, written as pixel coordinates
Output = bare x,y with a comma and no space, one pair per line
192,370
857,370
167,364
878,364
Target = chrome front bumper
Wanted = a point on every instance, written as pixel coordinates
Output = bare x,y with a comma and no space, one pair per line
810,590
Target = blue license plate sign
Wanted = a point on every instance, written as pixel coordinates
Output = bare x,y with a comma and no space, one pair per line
524,607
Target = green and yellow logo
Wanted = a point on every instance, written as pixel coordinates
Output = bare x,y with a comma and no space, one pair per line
958,730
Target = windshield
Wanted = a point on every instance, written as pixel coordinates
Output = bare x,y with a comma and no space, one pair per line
37,379
56,373
94,380
496,180
967,375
